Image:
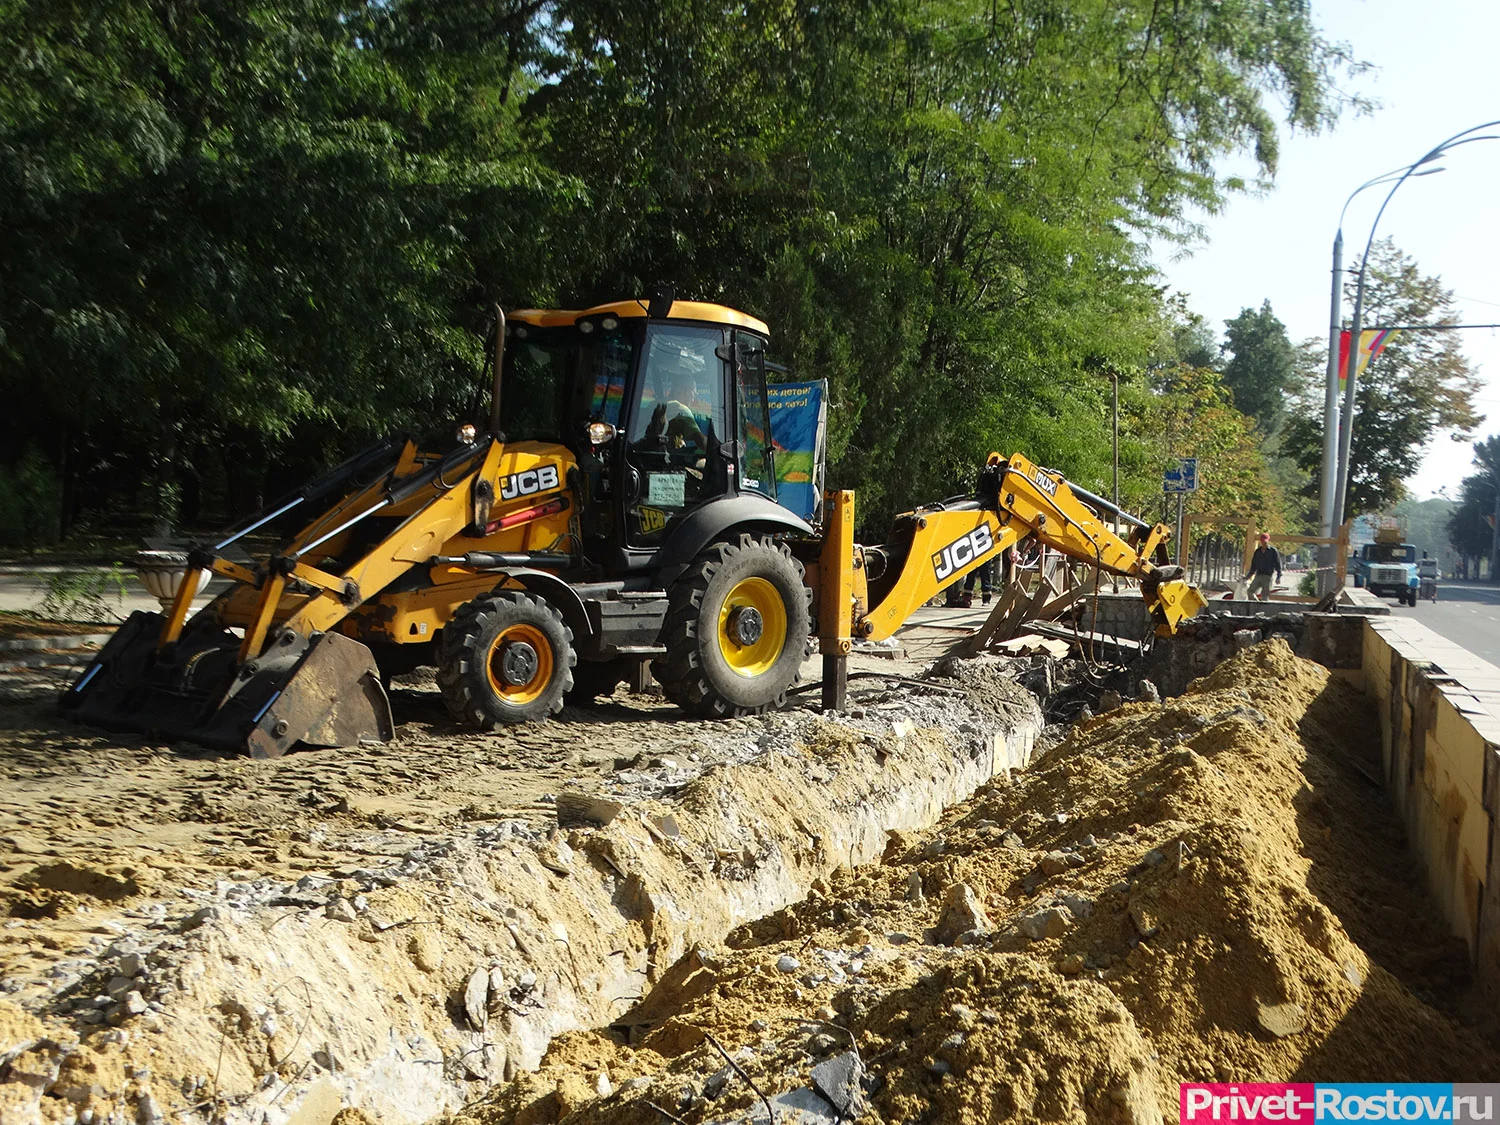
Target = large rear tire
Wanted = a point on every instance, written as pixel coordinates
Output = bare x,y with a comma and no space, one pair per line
736,630
505,657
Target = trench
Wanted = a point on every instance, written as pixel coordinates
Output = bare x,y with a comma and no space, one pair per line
1200,889
405,990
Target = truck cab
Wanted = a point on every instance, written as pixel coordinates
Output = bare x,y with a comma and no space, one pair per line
1388,569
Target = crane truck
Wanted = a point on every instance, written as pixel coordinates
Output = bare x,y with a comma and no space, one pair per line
618,506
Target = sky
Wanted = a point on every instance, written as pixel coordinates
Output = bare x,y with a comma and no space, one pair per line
1436,73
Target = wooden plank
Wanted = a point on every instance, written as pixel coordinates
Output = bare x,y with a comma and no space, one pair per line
976,641
1302,539
1027,612
1066,600
1100,640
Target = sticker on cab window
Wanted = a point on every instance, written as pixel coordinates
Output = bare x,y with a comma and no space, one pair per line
667,490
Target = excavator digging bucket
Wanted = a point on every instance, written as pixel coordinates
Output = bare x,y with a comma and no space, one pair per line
1176,600
320,692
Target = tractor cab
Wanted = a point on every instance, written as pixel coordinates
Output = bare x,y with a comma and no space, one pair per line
663,406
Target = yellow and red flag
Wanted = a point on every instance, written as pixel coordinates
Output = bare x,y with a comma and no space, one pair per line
1372,342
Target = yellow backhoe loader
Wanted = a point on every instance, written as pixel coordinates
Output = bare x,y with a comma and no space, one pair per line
619,506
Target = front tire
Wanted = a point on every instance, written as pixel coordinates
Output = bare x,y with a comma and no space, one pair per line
736,630
505,657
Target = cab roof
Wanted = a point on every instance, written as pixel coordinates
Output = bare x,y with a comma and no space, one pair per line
681,310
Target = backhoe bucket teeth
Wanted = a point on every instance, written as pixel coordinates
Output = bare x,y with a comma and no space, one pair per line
1174,601
326,692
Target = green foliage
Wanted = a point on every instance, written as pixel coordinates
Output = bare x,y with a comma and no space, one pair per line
1468,527
30,501
236,240
1261,367
82,595
1186,411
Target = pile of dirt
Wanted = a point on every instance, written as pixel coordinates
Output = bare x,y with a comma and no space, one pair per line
1210,889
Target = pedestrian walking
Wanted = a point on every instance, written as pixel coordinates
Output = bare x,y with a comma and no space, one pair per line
1263,564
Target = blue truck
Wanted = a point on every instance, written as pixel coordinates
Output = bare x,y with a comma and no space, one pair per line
1388,567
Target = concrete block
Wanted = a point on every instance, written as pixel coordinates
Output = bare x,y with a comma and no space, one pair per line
1474,831
1354,677
1461,746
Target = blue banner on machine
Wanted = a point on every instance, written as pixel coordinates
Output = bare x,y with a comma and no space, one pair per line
799,427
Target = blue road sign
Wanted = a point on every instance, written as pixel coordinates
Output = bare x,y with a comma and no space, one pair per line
1183,479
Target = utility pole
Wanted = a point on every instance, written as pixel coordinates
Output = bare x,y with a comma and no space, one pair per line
1326,502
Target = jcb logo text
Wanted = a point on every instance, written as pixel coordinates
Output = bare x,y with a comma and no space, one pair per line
963,551
532,480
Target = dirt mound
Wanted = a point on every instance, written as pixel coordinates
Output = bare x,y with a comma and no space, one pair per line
1206,889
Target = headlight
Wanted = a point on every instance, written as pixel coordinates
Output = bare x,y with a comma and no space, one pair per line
585,326
609,323
467,433
601,432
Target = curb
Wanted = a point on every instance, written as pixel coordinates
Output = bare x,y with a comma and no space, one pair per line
45,644
45,660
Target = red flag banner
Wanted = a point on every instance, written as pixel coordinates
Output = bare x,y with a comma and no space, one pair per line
1372,342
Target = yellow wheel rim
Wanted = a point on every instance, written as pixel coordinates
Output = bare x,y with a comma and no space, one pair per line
536,683
745,651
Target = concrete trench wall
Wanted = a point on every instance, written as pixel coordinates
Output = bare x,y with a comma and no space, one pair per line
1334,640
1440,747
1124,614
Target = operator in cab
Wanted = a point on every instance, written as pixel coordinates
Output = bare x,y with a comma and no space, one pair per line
675,419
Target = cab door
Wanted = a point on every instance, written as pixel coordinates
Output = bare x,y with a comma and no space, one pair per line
755,453
676,438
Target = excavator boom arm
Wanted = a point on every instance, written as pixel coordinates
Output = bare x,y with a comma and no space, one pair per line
940,546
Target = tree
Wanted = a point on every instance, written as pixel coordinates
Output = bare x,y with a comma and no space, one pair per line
235,236
1261,366
1419,386
936,203
1469,529
227,228
1183,411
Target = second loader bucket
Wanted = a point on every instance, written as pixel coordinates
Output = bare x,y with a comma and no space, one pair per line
320,692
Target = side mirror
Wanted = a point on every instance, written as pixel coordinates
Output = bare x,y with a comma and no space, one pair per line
601,433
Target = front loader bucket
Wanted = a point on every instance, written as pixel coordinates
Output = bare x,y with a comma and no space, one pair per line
326,692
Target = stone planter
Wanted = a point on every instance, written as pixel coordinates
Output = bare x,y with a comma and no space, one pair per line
162,572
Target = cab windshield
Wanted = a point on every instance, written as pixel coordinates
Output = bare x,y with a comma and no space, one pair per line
1392,553
557,379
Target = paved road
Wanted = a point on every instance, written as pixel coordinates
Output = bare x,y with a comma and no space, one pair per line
1468,614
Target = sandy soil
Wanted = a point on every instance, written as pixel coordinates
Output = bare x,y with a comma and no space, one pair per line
1208,889
94,824
156,900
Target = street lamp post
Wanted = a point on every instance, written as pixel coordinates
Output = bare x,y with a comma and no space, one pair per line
1346,421
1327,521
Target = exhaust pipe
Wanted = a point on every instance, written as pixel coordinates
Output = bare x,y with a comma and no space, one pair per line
499,362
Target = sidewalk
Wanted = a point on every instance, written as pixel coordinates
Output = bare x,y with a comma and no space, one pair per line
23,588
